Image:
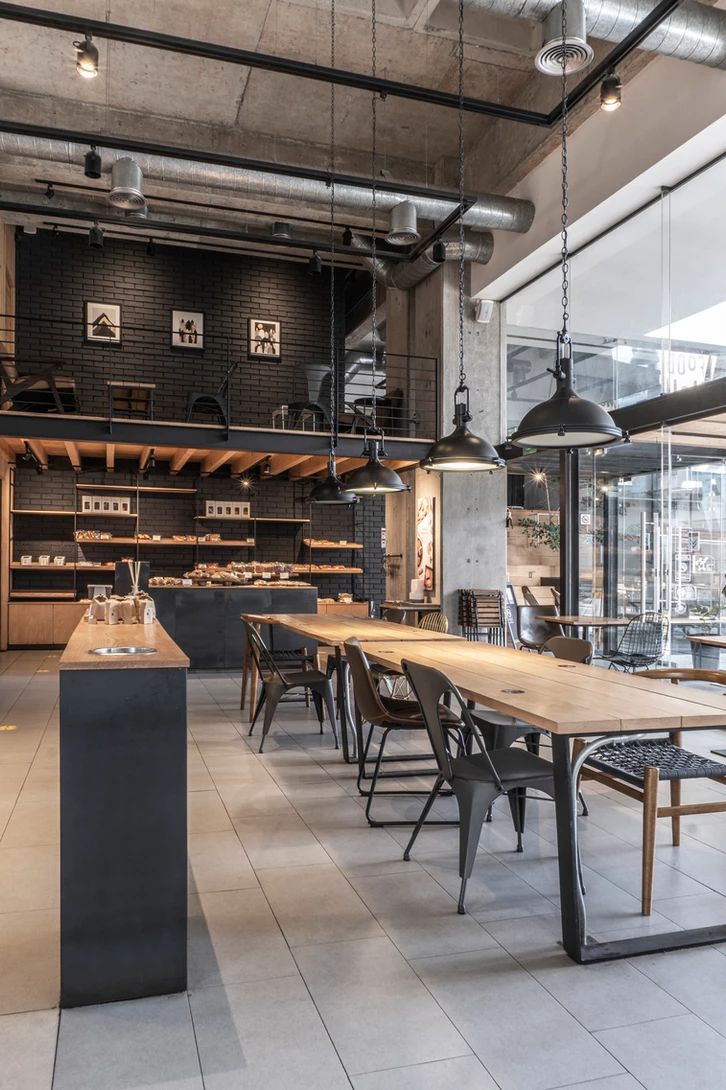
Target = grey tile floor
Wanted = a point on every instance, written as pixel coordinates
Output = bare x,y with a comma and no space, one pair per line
319,959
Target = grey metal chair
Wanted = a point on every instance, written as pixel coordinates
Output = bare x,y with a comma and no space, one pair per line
476,780
641,644
276,683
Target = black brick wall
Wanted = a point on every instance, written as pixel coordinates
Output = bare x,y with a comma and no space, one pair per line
57,273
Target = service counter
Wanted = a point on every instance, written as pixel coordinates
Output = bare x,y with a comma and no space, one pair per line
123,807
205,621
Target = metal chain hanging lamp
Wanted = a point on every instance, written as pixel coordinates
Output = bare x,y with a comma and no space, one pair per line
461,451
374,478
565,420
332,490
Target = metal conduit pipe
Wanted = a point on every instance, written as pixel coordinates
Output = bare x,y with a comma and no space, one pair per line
408,274
488,213
693,32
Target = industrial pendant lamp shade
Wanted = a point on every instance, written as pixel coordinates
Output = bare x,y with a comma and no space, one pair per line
92,165
86,58
374,478
332,490
462,451
567,420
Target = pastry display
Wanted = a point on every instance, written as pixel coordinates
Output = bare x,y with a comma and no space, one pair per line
92,535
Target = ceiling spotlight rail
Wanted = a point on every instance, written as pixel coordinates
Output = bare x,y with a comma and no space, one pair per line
262,180
362,81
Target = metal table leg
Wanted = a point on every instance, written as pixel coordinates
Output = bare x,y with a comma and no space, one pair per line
572,905
342,692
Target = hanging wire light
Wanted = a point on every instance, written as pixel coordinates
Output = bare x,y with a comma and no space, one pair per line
566,420
461,451
332,490
374,478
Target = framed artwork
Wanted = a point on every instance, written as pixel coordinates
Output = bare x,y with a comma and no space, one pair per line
187,330
264,339
102,323
425,568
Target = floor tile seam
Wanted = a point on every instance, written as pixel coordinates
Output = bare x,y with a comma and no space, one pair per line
196,1040
307,988
55,1050
594,1083
4,828
426,1063
664,988
597,1033
247,982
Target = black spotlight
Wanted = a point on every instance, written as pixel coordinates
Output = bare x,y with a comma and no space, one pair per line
439,251
86,58
347,237
315,265
151,248
92,163
95,237
611,93
27,455
49,192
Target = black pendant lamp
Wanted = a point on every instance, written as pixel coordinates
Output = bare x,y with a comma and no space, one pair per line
374,478
566,420
332,490
461,451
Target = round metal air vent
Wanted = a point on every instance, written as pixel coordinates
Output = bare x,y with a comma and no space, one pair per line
578,56
127,185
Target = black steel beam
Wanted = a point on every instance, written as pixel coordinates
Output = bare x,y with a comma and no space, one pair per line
173,151
676,408
94,429
152,39
153,227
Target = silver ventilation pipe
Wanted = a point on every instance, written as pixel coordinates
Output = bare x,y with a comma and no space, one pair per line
407,274
488,213
693,32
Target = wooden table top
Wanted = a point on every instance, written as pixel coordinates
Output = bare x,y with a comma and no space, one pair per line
335,629
560,697
85,636
712,641
587,620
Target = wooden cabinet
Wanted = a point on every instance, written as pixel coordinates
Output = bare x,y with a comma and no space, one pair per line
42,624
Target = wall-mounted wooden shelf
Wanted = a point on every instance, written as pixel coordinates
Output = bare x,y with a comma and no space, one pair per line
305,569
107,514
40,511
55,568
252,518
331,544
135,488
226,543
45,594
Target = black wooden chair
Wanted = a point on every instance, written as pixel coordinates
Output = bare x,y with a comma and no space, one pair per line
476,780
277,682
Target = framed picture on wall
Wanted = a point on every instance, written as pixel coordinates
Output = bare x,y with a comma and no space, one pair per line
425,567
102,323
187,330
264,339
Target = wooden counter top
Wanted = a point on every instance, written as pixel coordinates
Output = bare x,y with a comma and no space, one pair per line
86,636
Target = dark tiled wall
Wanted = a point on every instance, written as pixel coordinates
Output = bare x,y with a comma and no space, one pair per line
57,273
167,514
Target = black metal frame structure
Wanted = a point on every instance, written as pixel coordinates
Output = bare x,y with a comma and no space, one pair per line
151,39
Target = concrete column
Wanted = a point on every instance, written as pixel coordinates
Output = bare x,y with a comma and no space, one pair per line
472,507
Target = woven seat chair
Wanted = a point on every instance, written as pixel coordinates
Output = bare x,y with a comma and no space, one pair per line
637,767
434,622
641,644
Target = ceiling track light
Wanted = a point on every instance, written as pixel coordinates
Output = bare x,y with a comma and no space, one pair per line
49,192
461,451
86,58
611,93
151,248
566,421
315,265
92,164
95,237
347,237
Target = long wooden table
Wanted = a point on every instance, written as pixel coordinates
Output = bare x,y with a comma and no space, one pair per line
333,631
571,700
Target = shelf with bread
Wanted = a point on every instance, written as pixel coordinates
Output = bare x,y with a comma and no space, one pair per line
325,569
70,565
324,543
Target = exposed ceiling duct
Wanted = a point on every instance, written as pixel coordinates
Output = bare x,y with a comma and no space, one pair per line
488,212
404,275
693,32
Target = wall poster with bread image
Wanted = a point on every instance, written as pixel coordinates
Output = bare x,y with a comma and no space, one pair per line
425,567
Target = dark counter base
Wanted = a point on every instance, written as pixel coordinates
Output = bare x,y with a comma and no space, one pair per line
123,853
205,621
